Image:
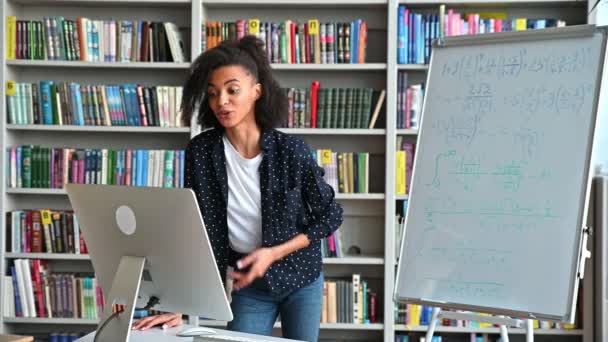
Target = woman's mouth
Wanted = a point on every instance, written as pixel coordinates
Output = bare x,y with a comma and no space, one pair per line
224,114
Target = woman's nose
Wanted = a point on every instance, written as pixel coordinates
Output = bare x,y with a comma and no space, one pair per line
222,99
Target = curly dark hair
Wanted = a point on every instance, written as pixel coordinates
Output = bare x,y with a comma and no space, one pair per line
249,53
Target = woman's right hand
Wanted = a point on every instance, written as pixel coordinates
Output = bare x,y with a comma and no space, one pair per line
167,320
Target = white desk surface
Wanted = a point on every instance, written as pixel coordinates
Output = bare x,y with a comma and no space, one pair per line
169,335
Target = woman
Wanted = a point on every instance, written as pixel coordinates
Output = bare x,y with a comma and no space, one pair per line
261,194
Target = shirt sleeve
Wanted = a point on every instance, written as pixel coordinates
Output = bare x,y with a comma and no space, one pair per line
188,167
320,198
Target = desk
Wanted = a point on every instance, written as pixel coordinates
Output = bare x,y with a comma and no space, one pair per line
169,335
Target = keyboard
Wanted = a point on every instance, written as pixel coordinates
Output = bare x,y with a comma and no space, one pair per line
230,338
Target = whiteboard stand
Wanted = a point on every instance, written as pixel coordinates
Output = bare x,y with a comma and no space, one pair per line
503,322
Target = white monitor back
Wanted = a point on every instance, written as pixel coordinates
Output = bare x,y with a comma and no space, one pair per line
165,226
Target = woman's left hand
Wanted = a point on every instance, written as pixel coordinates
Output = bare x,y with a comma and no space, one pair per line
259,262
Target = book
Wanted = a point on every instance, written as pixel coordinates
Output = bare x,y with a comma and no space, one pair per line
377,108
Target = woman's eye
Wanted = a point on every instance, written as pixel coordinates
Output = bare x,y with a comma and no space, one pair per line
234,91
211,94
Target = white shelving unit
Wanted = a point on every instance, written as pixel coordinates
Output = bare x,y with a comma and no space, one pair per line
369,218
330,67
116,3
51,321
325,326
517,331
95,65
412,67
27,191
305,3
333,131
358,260
407,131
48,256
105,129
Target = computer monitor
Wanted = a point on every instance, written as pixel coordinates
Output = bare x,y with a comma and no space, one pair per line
146,242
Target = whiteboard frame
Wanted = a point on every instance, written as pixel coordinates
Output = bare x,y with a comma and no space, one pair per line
584,196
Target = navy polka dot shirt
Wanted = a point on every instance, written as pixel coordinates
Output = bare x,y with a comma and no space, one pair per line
295,199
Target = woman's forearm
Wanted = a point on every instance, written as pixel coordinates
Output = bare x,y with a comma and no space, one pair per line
296,243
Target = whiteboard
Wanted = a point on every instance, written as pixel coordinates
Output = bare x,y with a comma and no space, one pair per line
501,173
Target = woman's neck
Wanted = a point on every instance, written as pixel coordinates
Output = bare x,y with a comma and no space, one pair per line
246,139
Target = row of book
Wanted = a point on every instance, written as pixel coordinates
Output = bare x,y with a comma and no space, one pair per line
32,166
331,246
472,338
406,338
317,107
421,315
69,103
409,102
349,301
404,164
345,172
36,292
83,39
290,42
43,231
416,31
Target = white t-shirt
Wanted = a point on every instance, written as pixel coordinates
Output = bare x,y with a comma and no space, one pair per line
244,200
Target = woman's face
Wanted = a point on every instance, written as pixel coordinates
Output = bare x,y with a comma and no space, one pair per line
232,92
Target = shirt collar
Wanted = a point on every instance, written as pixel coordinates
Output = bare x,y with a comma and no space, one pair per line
266,141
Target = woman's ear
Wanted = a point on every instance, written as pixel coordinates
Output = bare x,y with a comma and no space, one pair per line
258,90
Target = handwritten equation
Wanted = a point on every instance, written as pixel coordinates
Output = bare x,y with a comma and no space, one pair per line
516,63
520,105
464,290
504,215
467,256
562,99
470,169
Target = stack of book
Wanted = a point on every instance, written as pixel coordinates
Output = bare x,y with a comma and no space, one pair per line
404,164
349,301
290,42
69,103
317,107
36,292
83,39
416,31
43,231
32,166
409,102
346,172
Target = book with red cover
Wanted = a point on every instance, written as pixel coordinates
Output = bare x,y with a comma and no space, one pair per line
314,94
36,242
37,283
292,35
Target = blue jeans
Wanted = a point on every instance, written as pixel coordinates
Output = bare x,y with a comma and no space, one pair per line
255,311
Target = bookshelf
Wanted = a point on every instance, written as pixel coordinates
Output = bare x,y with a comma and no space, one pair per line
105,129
369,218
97,65
406,131
333,131
518,331
48,256
330,67
52,321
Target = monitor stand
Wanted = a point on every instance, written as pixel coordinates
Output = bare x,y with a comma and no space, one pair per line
124,290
